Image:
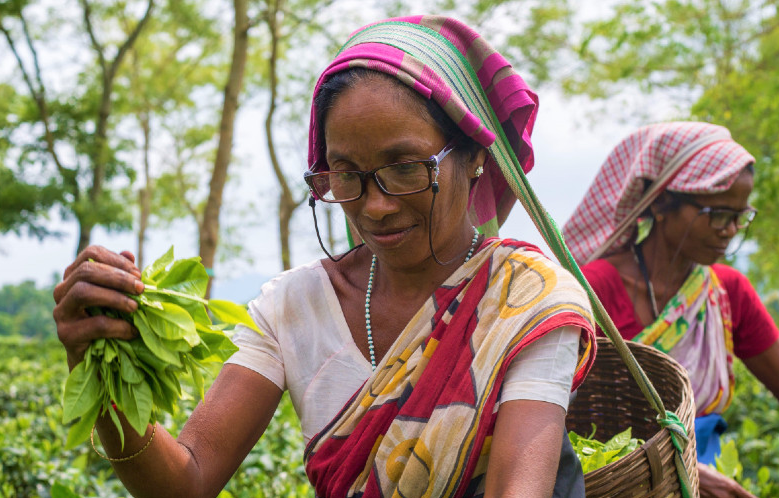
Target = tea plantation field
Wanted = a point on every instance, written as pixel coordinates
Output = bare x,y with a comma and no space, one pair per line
34,463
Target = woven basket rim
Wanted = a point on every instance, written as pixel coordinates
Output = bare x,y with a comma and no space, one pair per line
602,479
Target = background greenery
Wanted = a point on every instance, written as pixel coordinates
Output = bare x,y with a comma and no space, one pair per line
110,116
34,462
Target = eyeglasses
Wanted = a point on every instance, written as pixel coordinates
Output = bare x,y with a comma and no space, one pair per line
721,218
404,178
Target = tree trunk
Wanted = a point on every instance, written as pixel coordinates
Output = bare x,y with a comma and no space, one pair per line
84,235
209,232
144,194
287,202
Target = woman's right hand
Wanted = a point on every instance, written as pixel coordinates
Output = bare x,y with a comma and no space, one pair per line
716,485
98,277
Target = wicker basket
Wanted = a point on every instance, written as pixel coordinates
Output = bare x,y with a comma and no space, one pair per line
611,399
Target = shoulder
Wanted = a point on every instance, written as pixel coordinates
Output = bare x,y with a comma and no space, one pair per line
295,278
525,272
301,283
737,286
730,277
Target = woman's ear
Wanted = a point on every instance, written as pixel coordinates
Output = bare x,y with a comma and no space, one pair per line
661,205
476,166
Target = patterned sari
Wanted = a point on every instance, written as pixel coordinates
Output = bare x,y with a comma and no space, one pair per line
421,425
695,329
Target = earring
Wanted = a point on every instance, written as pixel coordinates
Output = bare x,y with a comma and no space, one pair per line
659,218
479,171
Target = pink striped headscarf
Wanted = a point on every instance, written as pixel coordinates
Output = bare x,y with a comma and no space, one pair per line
443,59
689,157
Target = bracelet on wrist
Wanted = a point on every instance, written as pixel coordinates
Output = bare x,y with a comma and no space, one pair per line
122,459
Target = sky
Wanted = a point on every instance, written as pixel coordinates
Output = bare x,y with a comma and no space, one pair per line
568,150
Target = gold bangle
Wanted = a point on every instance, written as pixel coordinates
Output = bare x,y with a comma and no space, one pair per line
123,459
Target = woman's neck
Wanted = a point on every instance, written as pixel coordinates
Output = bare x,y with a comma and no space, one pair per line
666,266
422,280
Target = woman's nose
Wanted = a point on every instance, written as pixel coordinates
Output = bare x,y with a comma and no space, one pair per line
377,203
730,230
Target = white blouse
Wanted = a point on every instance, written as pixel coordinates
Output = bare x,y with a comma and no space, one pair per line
307,348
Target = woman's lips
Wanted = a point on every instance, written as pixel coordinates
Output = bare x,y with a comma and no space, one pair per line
390,238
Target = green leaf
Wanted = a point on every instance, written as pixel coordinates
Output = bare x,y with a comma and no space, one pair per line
117,424
60,491
187,276
154,270
232,313
618,442
109,353
137,406
82,392
80,431
763,475
152,341
173,322
128,370
727,461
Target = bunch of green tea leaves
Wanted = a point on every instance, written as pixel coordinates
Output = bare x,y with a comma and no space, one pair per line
593,454
177,339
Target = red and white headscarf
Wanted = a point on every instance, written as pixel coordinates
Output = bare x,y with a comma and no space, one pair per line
689,157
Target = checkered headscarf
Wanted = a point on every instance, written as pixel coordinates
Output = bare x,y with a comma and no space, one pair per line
689,157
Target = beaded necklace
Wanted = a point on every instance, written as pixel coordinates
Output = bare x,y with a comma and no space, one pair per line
369,291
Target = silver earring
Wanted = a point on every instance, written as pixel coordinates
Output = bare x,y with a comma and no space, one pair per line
479,171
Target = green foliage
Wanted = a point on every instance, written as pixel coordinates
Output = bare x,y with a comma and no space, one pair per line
35,463
594,454
751,443
23,206
143,376
63,136
25,310
717,61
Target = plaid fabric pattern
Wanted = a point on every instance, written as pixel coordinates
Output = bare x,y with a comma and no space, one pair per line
443,59
646,155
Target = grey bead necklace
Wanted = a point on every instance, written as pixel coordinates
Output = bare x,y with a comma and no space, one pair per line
369,291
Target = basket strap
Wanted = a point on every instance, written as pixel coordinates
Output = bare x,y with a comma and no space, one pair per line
553,237
680,440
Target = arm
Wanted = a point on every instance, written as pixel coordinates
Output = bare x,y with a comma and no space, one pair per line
525,449
765,366
212,444
218,435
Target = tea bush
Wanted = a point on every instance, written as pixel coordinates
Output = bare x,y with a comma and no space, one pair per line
35,463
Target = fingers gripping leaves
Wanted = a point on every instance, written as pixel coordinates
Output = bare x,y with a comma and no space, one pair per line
177,339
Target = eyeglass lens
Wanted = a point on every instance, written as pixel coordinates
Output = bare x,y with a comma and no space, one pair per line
721,218
394,179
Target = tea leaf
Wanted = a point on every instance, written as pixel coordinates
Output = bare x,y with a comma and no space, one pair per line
173,322
153,271
141,376
187,276
82,392
231,313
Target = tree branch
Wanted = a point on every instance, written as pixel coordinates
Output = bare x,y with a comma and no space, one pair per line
130,39
87,11
39,96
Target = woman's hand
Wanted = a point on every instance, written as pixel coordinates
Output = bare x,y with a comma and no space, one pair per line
98,277
716,485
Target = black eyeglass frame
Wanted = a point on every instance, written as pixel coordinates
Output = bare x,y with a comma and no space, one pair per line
733,214
432,164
